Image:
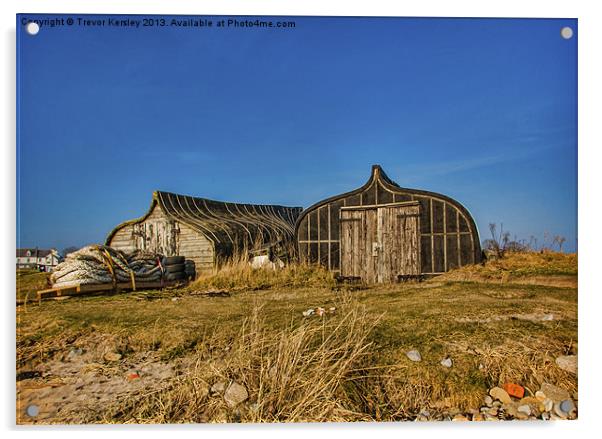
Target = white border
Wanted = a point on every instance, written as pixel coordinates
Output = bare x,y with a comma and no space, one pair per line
589,34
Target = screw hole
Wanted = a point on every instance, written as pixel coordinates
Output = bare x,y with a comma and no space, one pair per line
32,28
566,33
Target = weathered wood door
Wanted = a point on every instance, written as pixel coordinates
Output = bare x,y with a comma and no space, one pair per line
157,233
380,243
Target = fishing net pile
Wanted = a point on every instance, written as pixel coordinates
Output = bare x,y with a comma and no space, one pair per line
99,264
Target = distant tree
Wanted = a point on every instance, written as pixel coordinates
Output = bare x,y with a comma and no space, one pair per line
489,245
498,244
516,246
532,243
558,239
68,250
548,242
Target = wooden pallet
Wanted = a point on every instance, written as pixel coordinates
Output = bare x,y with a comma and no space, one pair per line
80,290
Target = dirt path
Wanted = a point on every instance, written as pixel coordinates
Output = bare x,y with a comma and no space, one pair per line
82,381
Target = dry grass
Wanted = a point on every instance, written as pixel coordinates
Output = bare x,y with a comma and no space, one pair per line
546,267
29,282
239,275
347,366
302,373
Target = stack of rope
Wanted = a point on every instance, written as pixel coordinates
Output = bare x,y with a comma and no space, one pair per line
99,264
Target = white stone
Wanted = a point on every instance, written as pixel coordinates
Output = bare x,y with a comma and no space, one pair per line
558,410
568,363
235,394
446,362
500,394
555,393
525,409
218,387
112,356
548,404
414,355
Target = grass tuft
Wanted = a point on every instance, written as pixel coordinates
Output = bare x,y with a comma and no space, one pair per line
240,276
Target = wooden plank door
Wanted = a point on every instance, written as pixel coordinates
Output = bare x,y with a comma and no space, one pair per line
158,235
358,235
378,244
399,242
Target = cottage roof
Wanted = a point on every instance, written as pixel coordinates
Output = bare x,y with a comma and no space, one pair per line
34,252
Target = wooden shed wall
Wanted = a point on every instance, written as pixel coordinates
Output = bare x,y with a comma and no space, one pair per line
161,234
123,239
197,247
448,237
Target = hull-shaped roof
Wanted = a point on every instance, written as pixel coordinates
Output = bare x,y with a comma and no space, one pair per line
223,223
448,234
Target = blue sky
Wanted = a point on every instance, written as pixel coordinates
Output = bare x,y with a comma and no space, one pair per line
482,110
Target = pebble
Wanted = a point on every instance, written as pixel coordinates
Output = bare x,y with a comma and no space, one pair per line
218,387
525,408
459,418
568,363
414,355
488,401
511,409
548,404
112,356
308,313
500,394
567,405
559,412
530,400
425,413
446,362
540,396
235,394
514,390
521,416
74,353
555,393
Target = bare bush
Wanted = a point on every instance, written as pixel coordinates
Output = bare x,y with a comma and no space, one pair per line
498,244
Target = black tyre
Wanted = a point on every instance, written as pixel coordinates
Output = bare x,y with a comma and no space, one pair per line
175,268
175,276
171,260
